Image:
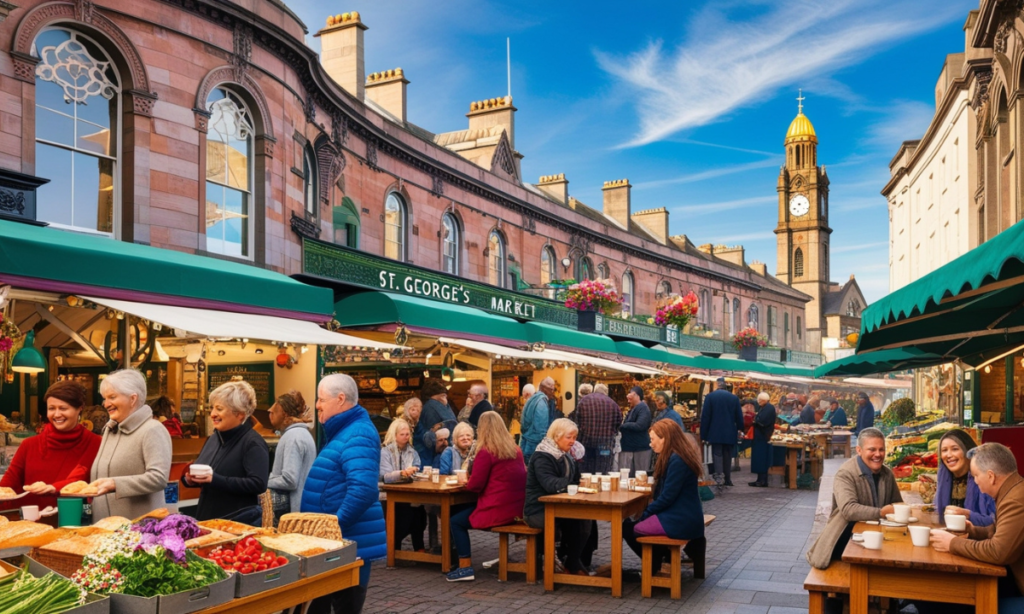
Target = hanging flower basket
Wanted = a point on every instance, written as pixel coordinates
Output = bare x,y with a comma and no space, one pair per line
746,343
679,312
593,295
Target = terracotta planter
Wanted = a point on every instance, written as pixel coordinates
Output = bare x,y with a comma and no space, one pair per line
748,353
586,321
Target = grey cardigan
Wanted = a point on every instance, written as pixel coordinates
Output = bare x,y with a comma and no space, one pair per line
294,456
138,458
853,500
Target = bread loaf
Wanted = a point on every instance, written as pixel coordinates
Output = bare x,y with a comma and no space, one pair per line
112,523
299,545
76,545
80,488
315,525
16,530
7,493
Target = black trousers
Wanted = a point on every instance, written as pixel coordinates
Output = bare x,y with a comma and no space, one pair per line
409,520
577,546
348,601
659,554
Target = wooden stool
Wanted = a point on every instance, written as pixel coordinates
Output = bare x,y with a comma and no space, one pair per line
820,583
530,566
674,581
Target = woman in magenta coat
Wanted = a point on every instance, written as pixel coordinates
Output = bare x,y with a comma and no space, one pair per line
497,472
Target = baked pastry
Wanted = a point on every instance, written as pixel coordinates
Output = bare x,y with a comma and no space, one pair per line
112,523
315,525
7,493
159,513
18,529
299,545
80,488
210,537
76,545
230,526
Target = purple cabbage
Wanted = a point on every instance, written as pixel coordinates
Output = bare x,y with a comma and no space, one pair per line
169,534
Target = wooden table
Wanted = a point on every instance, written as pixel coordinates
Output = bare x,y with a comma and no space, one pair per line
425,493
294,594
792,451
846,445
902,570
612,507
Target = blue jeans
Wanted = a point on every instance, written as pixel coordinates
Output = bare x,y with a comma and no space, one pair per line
460,531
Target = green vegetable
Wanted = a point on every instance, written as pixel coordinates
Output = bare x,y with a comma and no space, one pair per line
50,594
149,575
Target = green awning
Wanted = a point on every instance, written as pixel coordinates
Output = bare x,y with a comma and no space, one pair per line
878,362
54,260
969,309
376,308
568,338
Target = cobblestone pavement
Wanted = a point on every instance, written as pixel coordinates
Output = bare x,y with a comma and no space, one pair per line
755,565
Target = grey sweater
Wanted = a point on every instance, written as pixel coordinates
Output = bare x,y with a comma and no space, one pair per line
138,458
295,454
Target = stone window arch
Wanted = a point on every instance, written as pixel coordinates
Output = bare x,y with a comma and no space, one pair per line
704,308
396,216
497,266
585,268
602,271
548,265
451,240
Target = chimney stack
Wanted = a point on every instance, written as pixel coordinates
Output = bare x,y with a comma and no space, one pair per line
655,221
556,186
759,268
388,89
341,52
486,114
616,201
734,254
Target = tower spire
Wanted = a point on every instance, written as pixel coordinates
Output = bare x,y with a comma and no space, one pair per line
800,101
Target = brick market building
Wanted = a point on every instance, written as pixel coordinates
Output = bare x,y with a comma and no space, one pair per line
130,102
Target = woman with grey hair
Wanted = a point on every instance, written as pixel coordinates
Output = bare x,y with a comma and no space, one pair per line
238,456
134,460
761,451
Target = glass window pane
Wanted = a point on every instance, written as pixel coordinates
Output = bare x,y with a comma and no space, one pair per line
88,212
216,156
394,231
54,124
94,138
238,164
545,266
54,198
215,216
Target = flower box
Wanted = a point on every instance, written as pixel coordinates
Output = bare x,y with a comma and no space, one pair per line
586,321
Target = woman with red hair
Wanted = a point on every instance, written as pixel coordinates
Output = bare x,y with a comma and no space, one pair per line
676,510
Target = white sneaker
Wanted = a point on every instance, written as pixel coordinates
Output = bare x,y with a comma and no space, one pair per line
490,563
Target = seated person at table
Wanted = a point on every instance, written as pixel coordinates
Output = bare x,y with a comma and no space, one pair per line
552,469
60,454
956,491
238,455
863,489
398,462
498,476
995,472
456,455
436,415
836,415
676,510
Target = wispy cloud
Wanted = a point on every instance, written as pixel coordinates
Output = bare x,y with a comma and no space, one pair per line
728,205
859,247
727,63
710,173
899,121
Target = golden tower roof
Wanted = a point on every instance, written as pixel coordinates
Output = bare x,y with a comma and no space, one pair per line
801,126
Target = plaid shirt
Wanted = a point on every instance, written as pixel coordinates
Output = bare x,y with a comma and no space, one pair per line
598,417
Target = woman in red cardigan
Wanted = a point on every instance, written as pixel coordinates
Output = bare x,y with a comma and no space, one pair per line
60,454
498,473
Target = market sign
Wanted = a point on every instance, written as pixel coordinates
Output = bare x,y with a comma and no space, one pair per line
616,327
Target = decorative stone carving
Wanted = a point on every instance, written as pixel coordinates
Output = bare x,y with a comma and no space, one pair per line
330,162
1002,34
242,50
371,154
309,107
202,120
84,10
303,227
12,201
24,67
436,186
339,130
504,158
142,102
265,145
225,74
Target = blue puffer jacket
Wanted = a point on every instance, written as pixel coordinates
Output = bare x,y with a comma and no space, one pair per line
343,481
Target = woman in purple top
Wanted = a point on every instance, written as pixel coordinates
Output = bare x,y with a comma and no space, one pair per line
956,492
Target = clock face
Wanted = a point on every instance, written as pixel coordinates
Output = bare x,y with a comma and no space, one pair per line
799,205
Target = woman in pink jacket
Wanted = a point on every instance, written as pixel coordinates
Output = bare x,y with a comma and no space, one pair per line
498,473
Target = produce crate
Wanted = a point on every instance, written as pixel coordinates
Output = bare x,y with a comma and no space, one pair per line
178,603
257,582
63,563
326,561
94,604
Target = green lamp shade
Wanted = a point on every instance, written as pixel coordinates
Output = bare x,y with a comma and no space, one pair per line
28,359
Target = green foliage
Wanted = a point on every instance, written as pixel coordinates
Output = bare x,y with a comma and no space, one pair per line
149,575
899,412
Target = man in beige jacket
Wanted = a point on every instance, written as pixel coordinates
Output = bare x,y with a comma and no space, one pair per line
995,472
863,489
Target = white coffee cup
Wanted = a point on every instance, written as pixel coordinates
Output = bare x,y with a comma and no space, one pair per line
920,535
30,513
624,474
872,540
200,470
956,522
901,512
573,489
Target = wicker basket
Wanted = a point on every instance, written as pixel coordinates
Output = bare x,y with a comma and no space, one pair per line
63,563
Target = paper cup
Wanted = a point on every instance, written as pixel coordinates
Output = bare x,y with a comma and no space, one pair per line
461,475
901,512
872,540
573,489
956,522
200,470
30,512
624,474
920,535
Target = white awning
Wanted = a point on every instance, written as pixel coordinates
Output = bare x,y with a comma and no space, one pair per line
549,354
217,324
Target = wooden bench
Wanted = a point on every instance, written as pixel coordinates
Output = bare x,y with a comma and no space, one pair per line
821,583
674,580
529,567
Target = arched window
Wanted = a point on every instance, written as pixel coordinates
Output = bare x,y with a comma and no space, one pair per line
627,294
584,269
394,227
799,328
496,259
785,329
78,144
798,263
736,315
450,242
753,318
229,175
602,271
547,265
664,290
310,183
346,223
704,308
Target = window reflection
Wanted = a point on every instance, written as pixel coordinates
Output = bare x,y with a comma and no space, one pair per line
496,259
229,145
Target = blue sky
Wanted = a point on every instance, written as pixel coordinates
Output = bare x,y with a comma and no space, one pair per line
689,100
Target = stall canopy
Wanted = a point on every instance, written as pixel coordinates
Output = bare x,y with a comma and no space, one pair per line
425,316
569,338
220,324
971,309
548,354
882,361
51,260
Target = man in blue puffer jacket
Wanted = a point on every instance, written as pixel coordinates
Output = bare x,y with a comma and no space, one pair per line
343,482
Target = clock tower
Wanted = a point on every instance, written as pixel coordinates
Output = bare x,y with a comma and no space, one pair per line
803,231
